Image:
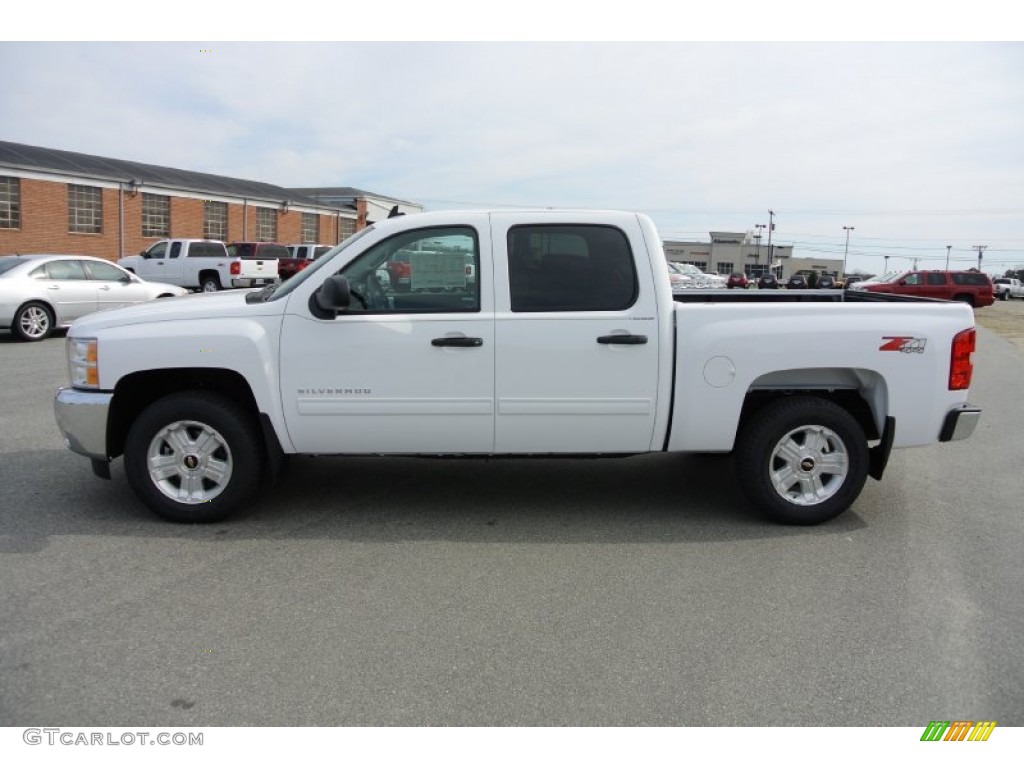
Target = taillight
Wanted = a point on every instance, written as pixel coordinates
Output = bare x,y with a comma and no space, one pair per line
960,366
236,267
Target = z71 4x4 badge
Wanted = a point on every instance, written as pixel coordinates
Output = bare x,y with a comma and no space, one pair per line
907,344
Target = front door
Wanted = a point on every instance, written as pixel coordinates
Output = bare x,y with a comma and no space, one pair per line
577,337
409,372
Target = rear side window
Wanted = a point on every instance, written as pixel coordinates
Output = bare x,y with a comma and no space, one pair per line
936,278
970,278
570,268
66,270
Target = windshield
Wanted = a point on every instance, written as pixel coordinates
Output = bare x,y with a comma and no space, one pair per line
283,289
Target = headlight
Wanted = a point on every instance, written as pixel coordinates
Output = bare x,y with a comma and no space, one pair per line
83,362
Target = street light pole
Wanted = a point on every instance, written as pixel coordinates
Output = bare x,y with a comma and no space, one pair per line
846,249
771,228
758,238
948,249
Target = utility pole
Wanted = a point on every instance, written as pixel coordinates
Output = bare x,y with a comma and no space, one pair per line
948,249
846,249
979,249
771,228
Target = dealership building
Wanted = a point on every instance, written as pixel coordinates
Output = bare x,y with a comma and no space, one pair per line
728,252
54,201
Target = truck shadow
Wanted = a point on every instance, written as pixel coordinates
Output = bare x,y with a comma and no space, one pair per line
653,498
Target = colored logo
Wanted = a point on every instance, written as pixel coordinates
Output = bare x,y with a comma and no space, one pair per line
958,730
907,344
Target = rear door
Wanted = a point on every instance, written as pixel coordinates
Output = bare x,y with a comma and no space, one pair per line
577,336
67,287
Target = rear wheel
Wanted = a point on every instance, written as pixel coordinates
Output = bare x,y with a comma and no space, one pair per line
802,460
193,457
966,298
209,284
33,322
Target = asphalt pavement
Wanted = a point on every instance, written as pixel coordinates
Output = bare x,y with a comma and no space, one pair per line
639,591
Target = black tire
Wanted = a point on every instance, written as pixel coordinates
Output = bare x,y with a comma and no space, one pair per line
32,322
817,435
203,428
965,297
1004,295
209,284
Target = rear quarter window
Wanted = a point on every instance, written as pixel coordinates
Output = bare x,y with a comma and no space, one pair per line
268,252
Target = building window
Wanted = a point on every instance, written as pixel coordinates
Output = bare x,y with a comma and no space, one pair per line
346,228
215,220
266,225
10,202
156,215
310,228
725,267
85,209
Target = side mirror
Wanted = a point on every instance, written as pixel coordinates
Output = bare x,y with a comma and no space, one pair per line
144,254
332,297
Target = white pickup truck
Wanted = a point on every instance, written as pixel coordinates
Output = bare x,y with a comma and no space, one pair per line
569,342
203,265
1008,288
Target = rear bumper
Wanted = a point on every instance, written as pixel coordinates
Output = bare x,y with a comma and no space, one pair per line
82,419
960,423
252,282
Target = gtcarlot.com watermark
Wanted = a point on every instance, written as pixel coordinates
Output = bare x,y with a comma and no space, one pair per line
69,738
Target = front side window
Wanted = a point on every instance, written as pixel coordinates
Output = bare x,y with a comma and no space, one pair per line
570,268
215,220
310,228
913,278
85,209
426,270
100,271
266,225
156,215
10,202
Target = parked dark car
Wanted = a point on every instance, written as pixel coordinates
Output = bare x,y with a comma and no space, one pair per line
797,281
737,280
826,281
768,280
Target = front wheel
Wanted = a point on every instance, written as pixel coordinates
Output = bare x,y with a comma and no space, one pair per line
193,457
803,460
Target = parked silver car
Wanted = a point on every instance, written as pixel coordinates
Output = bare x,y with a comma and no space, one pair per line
42,292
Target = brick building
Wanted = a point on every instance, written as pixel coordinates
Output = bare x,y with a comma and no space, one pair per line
53,201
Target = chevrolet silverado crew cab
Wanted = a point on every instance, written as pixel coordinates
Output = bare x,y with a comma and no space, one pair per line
567,342
204,265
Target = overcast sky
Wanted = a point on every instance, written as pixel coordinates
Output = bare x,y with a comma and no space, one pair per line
915,145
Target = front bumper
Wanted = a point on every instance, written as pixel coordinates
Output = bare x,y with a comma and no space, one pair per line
82,419
960,423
